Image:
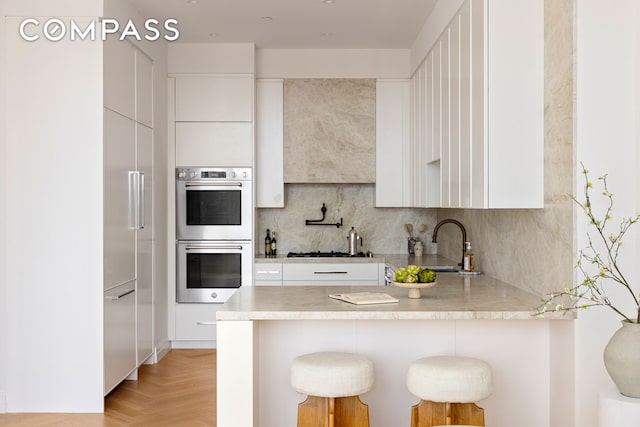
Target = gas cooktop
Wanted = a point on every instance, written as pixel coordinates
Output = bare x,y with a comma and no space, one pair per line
319,254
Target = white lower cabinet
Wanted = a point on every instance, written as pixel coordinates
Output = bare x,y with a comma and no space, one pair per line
267,274
196,322
331,274
119,334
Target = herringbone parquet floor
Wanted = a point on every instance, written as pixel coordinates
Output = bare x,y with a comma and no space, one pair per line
180,390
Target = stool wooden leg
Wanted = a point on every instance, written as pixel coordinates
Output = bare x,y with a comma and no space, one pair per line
467,413
329,412
428,414
351,412
313,412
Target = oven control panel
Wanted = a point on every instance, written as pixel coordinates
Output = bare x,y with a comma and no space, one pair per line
218,174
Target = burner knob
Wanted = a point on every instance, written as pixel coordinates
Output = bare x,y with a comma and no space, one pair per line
194,174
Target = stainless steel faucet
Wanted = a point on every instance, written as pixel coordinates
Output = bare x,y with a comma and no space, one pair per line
464,235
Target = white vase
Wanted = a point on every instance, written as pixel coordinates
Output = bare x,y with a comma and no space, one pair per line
622,359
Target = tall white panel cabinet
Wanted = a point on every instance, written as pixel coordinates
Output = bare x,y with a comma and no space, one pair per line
488,112
478,110
128,232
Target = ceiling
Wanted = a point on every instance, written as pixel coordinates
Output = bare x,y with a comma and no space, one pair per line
295,24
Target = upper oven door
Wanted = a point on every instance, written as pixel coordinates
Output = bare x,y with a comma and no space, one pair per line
214,210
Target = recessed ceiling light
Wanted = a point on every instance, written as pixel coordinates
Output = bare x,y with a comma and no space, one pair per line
213,34
267,18
328,1
193,1
327,34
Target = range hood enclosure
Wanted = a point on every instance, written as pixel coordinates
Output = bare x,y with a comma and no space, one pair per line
329,130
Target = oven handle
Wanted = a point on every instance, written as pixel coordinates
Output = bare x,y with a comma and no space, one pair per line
213,184
197,247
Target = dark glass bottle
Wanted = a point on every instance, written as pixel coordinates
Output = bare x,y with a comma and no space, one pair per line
267,244
273,243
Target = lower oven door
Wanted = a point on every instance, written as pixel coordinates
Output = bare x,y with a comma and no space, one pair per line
211,271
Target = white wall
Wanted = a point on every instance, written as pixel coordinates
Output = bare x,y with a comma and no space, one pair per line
211,58
332,63
52,281
4,320
607,142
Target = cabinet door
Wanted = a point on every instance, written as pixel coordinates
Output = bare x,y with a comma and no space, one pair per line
119,334
214,99
392,142
214,144
329,273
269,144
196,322
119,237
268,274
144,255
144,89
464,19
119,77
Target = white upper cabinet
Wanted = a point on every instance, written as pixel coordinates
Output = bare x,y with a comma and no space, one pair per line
269,143
214,144
513,106
484,110
393,142
214,98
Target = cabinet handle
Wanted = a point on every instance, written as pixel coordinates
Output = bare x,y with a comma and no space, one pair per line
124,294
141,202
330,272
213,184
196,247
267,272
206,323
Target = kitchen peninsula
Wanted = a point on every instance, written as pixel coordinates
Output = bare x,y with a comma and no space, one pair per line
261,329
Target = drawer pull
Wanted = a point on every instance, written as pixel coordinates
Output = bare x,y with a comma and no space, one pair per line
122,295
205,323
267,272
330,272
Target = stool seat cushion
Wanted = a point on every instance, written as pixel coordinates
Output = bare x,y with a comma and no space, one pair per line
450,379
332,374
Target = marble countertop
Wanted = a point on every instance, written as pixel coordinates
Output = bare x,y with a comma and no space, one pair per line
455,297
393,260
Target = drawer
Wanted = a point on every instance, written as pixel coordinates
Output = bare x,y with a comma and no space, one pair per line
329,272
267,271
196,322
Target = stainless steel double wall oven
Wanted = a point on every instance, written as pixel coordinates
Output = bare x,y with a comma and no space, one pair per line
214,225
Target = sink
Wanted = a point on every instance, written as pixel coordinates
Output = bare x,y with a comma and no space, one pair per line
442,268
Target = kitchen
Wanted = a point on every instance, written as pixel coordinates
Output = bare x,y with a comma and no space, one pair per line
510,244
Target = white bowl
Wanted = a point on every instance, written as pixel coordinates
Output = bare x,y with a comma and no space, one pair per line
414,288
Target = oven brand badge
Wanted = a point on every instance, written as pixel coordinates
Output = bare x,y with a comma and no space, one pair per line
56,29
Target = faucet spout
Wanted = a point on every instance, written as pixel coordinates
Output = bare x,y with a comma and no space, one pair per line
464,234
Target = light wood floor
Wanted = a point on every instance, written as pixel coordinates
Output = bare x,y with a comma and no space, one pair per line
180,390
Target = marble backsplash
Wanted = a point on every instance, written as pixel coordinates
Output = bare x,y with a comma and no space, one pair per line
382,229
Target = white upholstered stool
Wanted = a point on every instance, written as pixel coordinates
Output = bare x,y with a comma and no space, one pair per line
448,387
332,382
